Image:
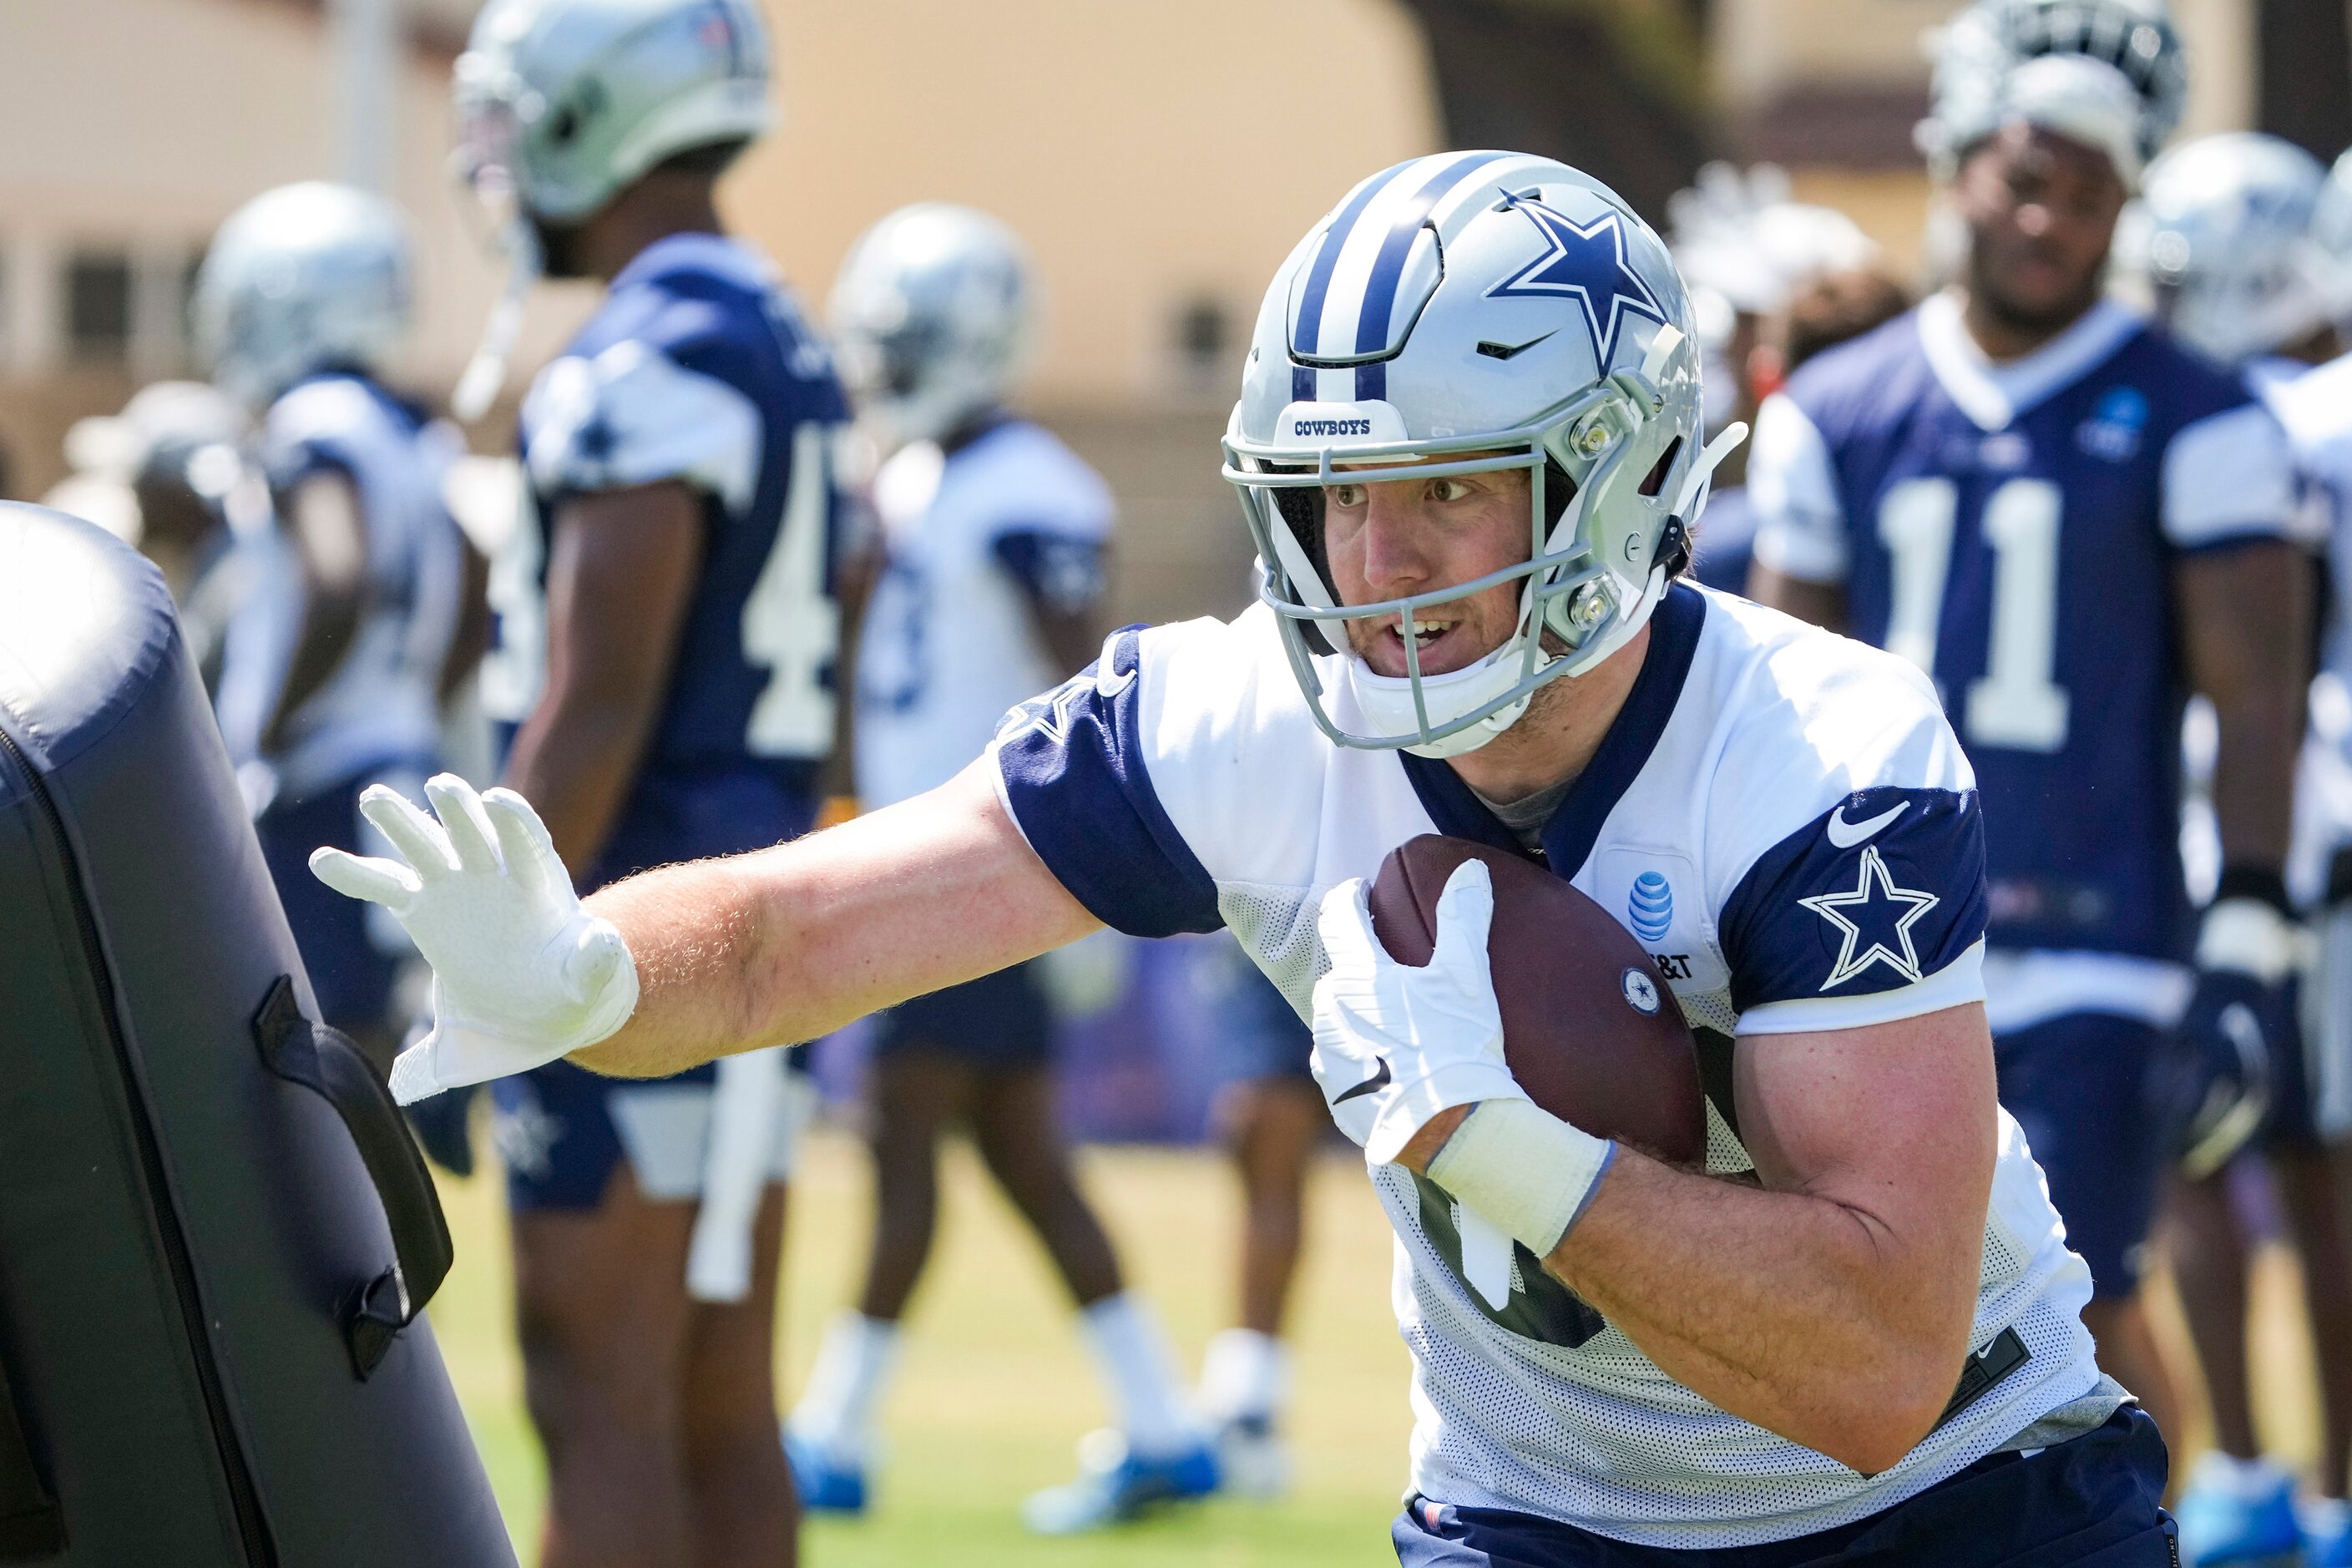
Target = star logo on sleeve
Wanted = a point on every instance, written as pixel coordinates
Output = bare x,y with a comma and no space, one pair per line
1585,262
1054,715
1873,923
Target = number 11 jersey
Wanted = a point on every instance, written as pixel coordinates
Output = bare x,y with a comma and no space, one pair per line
2011,530
698,370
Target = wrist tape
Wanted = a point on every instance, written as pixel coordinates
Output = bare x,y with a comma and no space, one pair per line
2249,936
1525,1170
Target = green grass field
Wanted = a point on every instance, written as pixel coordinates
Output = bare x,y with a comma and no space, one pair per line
994,1387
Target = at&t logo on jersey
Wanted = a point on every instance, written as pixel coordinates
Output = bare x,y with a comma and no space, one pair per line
1649,908
2114,429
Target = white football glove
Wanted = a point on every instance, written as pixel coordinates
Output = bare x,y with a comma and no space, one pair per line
1395,1045
521,973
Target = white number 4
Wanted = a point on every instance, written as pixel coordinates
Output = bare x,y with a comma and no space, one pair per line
2015,703
791,628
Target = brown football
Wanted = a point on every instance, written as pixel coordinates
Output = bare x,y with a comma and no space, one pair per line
1590,1029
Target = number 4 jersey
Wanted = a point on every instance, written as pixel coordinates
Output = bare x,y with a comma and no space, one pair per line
2011,530
698,369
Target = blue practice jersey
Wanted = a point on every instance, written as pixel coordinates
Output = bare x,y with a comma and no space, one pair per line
2013,529
381,705
699,369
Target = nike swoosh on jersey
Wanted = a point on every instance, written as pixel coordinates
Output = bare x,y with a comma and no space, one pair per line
1846,834
1111,685
1379,1080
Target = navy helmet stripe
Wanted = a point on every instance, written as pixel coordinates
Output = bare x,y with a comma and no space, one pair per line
1387,267
1302,385
1372,381
1307,336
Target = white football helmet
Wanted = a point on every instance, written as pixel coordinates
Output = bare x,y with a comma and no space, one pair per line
931,318
1989,70
1466,312
302,278
2331,231
563,103
2222,237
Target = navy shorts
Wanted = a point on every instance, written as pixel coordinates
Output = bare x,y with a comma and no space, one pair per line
998,1023
1254,1031
2291,1120
562,1130
2080,1085
2089,1503
353,951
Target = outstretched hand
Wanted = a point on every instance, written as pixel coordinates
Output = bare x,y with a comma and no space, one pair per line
521,973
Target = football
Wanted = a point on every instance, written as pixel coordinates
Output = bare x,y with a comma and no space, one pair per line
1590,1029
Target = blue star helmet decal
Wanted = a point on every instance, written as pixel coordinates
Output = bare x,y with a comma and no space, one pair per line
1586,261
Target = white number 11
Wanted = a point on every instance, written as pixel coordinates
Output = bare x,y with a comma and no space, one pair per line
2015,703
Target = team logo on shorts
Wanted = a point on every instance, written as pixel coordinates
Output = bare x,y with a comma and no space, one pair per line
1885,910
1649,908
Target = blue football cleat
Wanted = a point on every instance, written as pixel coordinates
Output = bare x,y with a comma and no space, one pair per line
2326,1533
1115,1486
2238,1512
827,1481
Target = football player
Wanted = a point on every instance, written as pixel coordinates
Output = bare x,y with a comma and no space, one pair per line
1856,1334
993,536
355,609
666,639
2221,240
2069,522
1744,249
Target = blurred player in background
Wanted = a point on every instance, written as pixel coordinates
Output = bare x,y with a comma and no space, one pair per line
2071,522
2221,241
1272,1118
666,639
355,611
1745,248
994,540
168,475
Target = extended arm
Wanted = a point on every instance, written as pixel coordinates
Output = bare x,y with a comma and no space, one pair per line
621,571
2245,619
789,942
324,517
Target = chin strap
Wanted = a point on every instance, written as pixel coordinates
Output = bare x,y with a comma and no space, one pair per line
486,372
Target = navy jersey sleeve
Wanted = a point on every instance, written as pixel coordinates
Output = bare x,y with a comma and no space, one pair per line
688,389
1880,892
1070,768
1062,573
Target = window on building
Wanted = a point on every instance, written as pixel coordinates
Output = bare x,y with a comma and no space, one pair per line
1203,333
98,305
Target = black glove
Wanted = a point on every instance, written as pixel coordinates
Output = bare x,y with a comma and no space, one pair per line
2240,1018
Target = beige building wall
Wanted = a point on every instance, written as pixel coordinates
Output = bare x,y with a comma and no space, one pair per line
1153,156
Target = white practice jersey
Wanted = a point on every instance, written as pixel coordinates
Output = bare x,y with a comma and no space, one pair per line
1781,817
381,705
974,540
2315,407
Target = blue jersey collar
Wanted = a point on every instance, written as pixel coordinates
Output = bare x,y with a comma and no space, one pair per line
1993,395
1575,826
